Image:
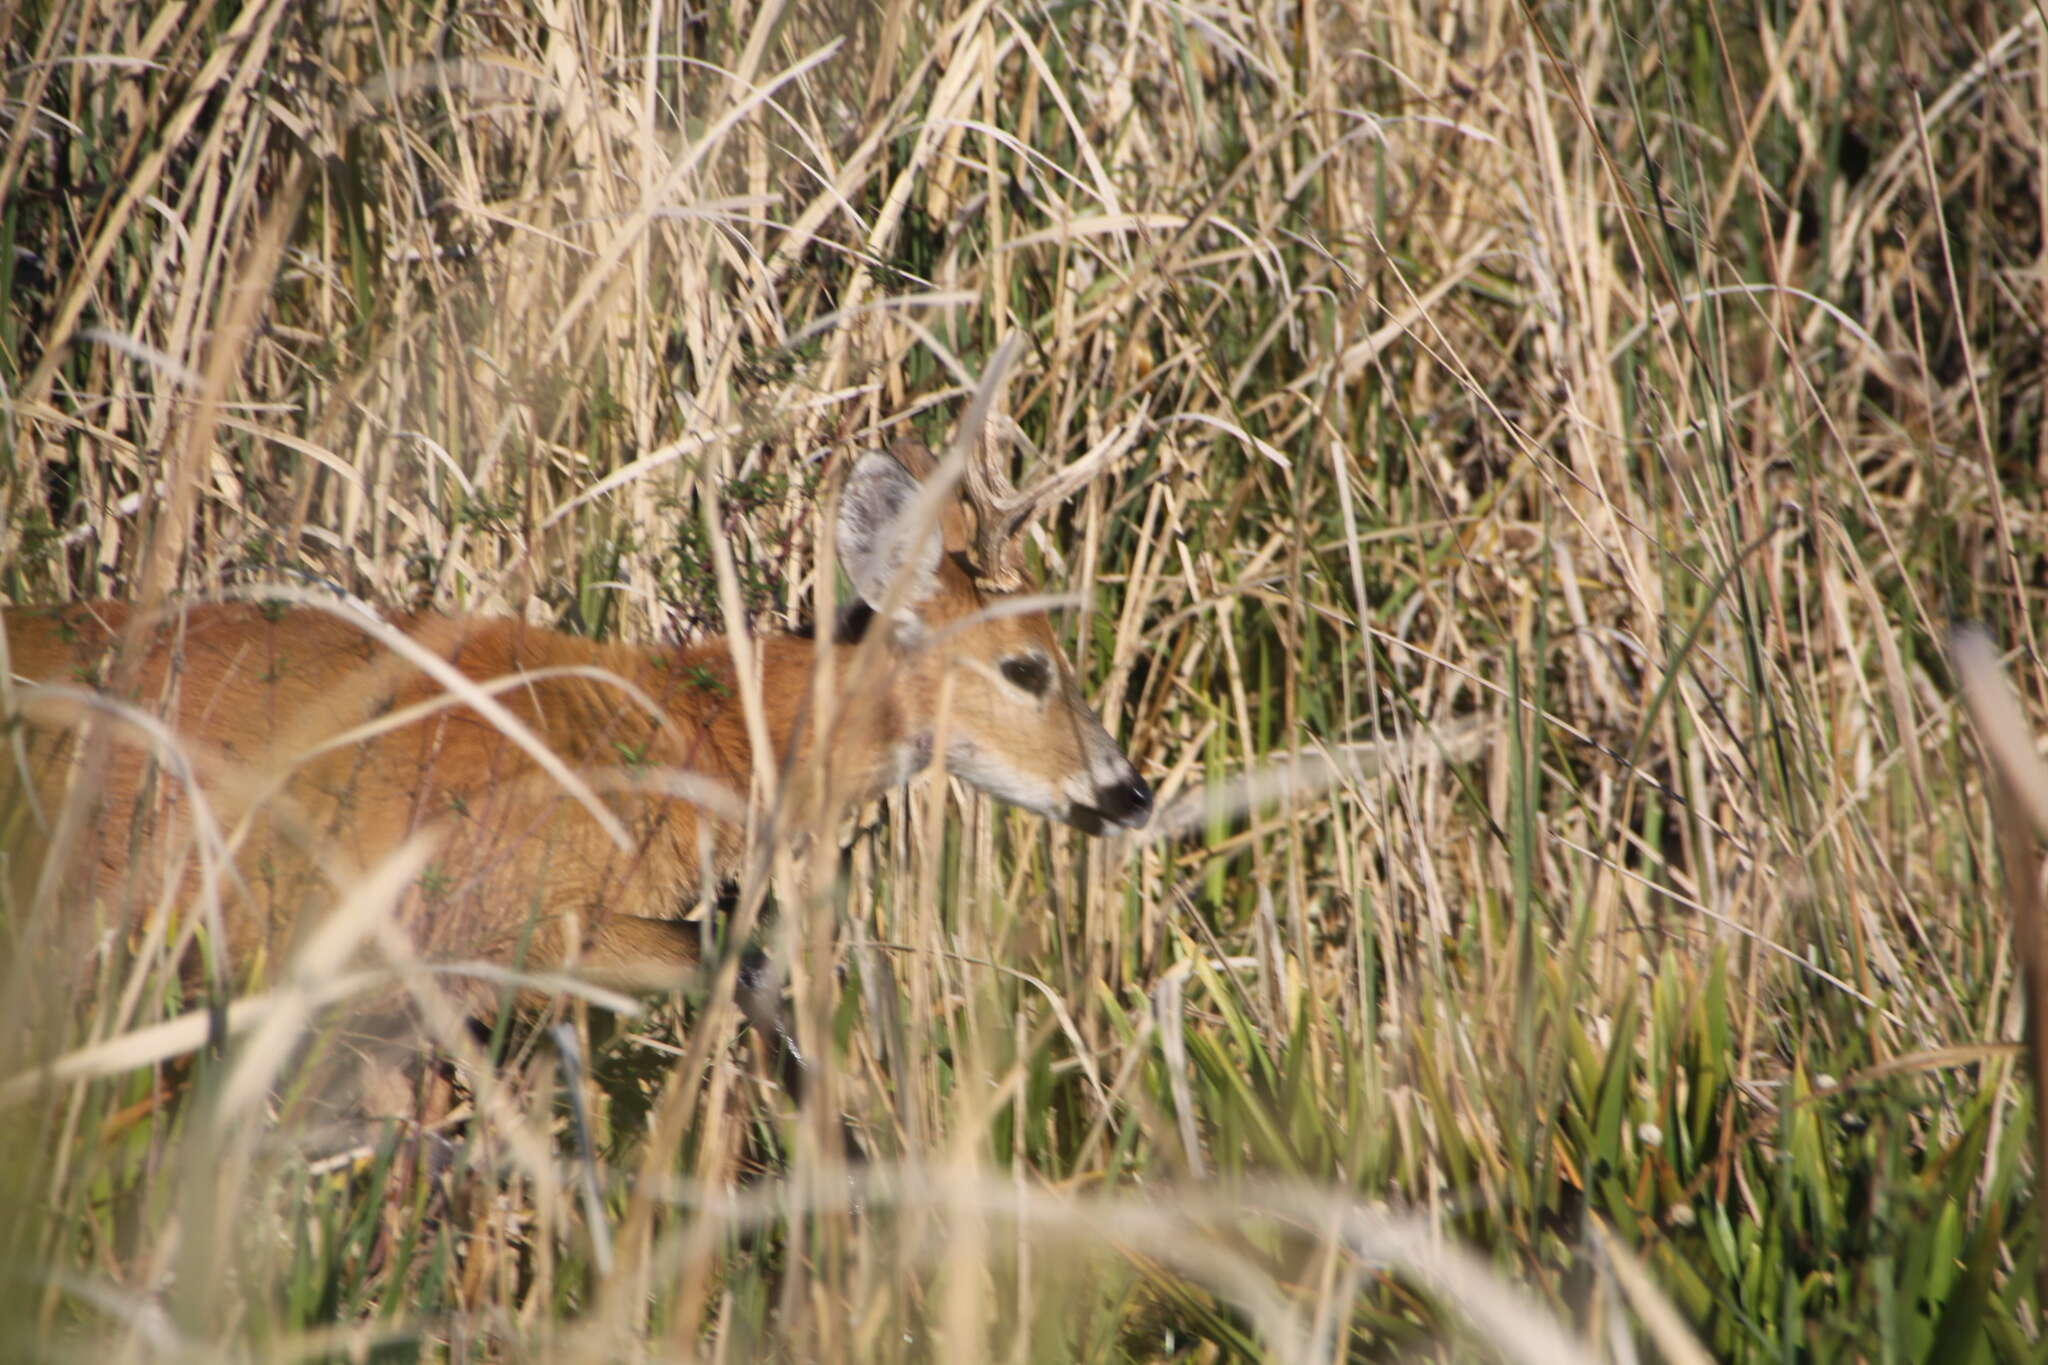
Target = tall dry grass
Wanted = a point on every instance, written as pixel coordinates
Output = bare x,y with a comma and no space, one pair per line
1641,389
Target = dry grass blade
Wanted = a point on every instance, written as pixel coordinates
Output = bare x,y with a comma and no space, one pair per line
354,921
1197,1233
1661,1320
600,275
160,1042
62,705
2008,741
460,687
1308,774
2018,781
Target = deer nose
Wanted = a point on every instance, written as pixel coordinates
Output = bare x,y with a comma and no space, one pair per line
1128,803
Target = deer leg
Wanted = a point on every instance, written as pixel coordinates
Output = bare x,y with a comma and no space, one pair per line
632,953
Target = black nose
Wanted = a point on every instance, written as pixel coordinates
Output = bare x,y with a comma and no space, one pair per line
1127,803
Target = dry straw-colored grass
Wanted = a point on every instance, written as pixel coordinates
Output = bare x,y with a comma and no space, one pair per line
1542,452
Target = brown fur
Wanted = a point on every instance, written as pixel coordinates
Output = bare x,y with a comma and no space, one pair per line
251,691
261,700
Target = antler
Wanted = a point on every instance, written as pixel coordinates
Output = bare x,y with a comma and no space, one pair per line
991,516
1002,514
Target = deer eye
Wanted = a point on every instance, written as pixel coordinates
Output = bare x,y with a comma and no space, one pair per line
1029,672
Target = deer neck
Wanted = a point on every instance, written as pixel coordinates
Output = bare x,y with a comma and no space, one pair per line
871,741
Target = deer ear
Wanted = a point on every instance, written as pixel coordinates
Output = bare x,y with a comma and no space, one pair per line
878,538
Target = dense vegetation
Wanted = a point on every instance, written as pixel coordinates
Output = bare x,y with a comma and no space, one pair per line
1579,425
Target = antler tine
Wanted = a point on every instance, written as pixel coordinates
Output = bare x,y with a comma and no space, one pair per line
1056,487
1003,514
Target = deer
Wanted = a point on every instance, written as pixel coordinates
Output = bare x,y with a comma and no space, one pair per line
320,750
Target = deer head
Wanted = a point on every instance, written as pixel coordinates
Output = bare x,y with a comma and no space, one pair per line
978,669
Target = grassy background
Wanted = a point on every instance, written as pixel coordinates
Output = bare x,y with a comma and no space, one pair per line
1651,383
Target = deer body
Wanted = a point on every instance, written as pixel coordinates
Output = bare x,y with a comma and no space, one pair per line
279,711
